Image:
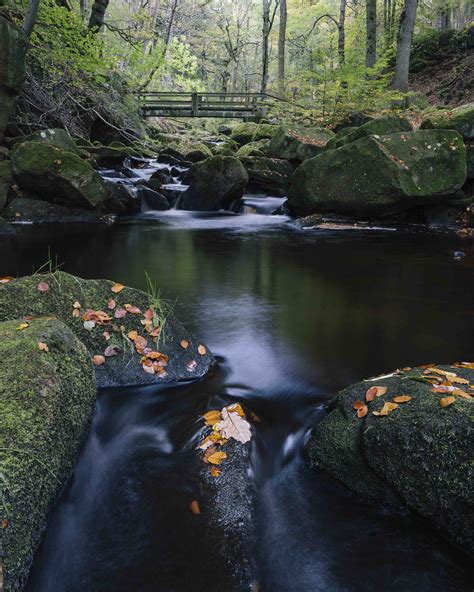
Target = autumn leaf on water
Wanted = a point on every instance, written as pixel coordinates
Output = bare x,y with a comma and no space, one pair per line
195,509
234,426
116,288
43,346
98,360
375,391
386,409
42,287
402,398
447,401
184,343
202,350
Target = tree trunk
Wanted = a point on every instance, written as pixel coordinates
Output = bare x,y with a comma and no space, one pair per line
282,47
265,35
97,17
169,28
341,40
371,43
83,8
30,18
405,36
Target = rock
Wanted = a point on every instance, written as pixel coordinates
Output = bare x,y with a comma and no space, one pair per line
381,175
243,133
163,177
105,156
4,153
412,99
253,149
268,174
57,175
227,148
47,399
225,130
12,67
198,153
460,119
52,137
470,160
6,227
171,156
123,199
21,297
418,456
380,126
22,209
291,145
6,182
355,119
214,183
152,200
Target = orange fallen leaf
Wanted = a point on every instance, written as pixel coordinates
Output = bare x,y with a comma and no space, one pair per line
362,411
202,350
98,360
76,312
120,313
358,404
4,524
375,391
132,335
149,314
132,309
6,278
402,398
116,288
215,472
236,408
76,304
216,457
467,365
195,509
148,368
106,335
42,287
212,417
140,343
386,409
184,343
447,401
43,346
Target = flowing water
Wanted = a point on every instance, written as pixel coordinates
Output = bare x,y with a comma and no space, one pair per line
293,315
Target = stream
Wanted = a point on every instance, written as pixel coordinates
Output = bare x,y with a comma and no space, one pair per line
293,315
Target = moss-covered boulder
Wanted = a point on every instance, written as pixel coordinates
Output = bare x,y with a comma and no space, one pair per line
6,182
298,146
243,133
21,209
380,126
380,175
253,149
47,397
269,175
52,137
74,300
197,152
12,67
265,131
214,184
460,119
57,175
418,456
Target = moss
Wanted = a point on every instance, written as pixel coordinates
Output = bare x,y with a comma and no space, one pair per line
46,403
6,181
53,137
460,119
380,126
420,454
243,133
253,149
268,174
57,175
21,298
298,145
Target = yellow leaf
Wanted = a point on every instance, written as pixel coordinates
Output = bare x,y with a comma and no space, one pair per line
215,472
447,401
212,417
217,457
386,409
116,288
462,394
184,343
132,335
236,408
76,312
402,398
43,346
76,304
459,380
22,326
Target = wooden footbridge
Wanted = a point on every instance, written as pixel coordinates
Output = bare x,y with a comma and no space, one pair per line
206,104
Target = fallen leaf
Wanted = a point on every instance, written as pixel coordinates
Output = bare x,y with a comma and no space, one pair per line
98,360
149,314
132,335
447,401
43,346
195,509
216,457
234,426
358,405
111,304
140,344
76,304
212,417
42,287
22,326
184,343
98,316
375,391
236,408
112,350
386,409
362,411
76,312
106,335
89,325
462,394
116,288
202,350
132,309
402,398
467,365
4,524
148,368
6,279
120,313
215,472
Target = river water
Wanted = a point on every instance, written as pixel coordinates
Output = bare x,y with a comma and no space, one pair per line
293,315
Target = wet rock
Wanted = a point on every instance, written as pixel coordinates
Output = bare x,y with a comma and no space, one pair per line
47,399
22,298
22,209
57,175
270,175
214,183
225,130
228,148
417,457
6,227
197,153
298,146
123,199
52,137
152,200
380,175
460,119
12,67
243,133
380,126
6,182
253,149
162,177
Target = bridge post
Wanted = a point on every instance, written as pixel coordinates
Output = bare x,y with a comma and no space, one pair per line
194,104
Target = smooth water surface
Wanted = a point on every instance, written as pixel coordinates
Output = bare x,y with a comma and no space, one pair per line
293,315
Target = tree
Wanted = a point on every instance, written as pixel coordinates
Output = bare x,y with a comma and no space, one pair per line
282,47
30,17
404,41
371,43
97,17
341,38
268,19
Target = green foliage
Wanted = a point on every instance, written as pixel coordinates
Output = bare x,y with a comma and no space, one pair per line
432,44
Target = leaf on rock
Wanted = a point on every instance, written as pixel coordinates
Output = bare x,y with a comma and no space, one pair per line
362,411
98,316
111,304
195,509
120,313
149,314
22,326
358,404
375,391
132,309
106,335
215,472
148,368
89,325
447,401
202,350
76,313
43,346
116,288
234,426
386,409
191,366
215,457
236,408
6,279
467,365
402,398
42,287
98,360
184,343
112,350
77,305
140,343
132,335
213,417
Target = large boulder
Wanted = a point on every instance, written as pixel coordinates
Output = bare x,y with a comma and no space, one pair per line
47,398
243,133
460,119
57,175
53,137
12,67
298,146
122,312
214,184
418,456
381,175
21,209
380,126
270,175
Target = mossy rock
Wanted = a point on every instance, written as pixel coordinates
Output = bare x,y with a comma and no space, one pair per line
47,400
333,142
197,152
381,175
265,131
470,160
22,209
243,133
52,137
460,119
6,182
418,457
57,175
253,149
21,298
224,149
298,145
270,175
380,126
